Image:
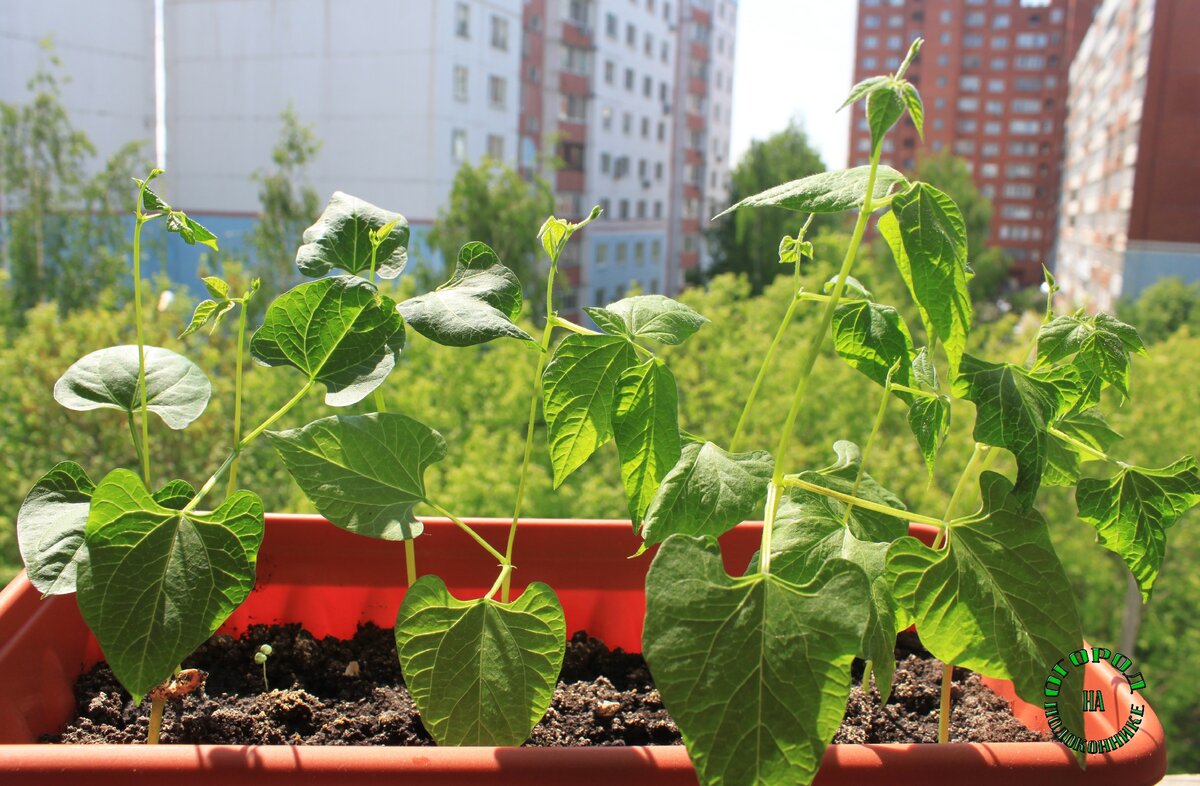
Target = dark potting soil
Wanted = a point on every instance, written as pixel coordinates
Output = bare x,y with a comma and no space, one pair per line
350,692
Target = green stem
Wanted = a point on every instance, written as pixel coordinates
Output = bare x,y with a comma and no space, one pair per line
814,347
944,711
567,324
1084,447
156,716
501,580
792,481
240,446
912,391
133,436
266,686
237,397
866,451
762,369
981,451
467,528
818,298
544,351
764,551
140,220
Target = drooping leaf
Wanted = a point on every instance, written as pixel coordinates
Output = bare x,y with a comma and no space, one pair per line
1101,345
156,584
655,317
916,109
754,670
365,473
1132,511
853,287
928,238
579,389
646,426
207,311
996,599
480,672
826,192
884,107
178,222
50,527
707,492
341,239
1063,458
864,88
929,420
176,389
477,304
338,331
1013,411
873,338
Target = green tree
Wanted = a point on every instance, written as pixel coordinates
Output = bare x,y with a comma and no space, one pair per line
747,241
62,237
949,173
1163,308
289,203
491,200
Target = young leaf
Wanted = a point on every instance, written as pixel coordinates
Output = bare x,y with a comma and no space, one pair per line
1013,410
996,599
365,473
190,230
579,389
50,527
794,250
1062,458
929,421
654,317
884,107
1133,510
216,287
480,672
477,304
338,331
554,234
928,238
755,670
1101,344
707,492
646,426
826,192
341,239
864,88
156,584
207,311
854,287
176,389
916,109
873,338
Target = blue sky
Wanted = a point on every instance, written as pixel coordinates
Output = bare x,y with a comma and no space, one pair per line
794,59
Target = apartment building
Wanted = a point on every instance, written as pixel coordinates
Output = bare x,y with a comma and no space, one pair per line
1130,211
993,77
628,97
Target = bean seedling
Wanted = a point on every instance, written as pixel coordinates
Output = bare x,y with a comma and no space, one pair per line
260,657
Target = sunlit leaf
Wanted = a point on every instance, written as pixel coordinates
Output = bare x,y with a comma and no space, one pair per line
341,239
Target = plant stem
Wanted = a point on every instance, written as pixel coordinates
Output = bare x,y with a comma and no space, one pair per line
505,572
237,397
764,551
944,710
814,347
139,221
266,687
240,446
866,451
567,324
762,369
1084,447
467,528
981,450
544,351
907,515
156,715
912,391
133,436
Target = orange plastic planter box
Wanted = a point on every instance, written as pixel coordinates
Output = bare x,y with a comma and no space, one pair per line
314,573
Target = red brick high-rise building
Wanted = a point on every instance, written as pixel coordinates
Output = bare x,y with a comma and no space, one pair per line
993,77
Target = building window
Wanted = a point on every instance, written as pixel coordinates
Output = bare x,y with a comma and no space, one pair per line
999,63
1026,106
1001,21
623,214
606,163
1024,127
657,209
990,150
458,146
645,128
573,108
870,63
497,92
993,128
622,250
658,171
973,41
599,301
975,19
1029,62
602,253
1032,40
462,20
630,35
1017,212
1018,191
495,146
969,83
989,170
870,42
576,60
894,42
629,79
606,117
609,71
995,85
648,45
656,244
500,33
647,87
610,25
461,83
994,107
1029,84
871,21
626,123
639,253
968,104
1018,170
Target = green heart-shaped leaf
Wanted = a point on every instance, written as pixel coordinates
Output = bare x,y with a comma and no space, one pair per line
156,584
754,670
477,304
50,527
826,192
1101,344
176,389
1013,410
579,389
338,331
996,599
341,239
1132,511
480,672
655,317
707,492
646,426
873,338
365,473
928,238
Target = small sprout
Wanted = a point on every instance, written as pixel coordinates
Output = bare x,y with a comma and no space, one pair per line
260,658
